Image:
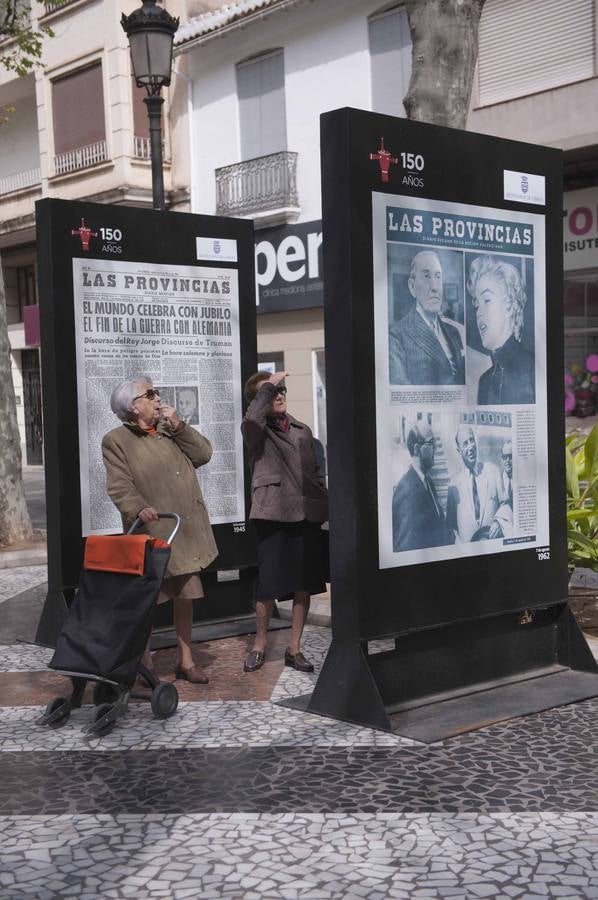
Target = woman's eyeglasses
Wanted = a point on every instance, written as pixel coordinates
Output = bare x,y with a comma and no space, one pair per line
281,390
149,395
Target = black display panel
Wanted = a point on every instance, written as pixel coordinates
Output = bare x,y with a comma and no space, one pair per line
427,230
125,291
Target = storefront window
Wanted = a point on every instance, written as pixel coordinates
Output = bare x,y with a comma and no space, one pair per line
270,362
581,317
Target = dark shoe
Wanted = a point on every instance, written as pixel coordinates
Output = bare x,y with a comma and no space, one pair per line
254,661
297,661
192,674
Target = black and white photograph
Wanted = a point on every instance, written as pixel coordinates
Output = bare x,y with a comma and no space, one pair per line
187,404
500,330
479,503
419,497
426,337
453,480
460,379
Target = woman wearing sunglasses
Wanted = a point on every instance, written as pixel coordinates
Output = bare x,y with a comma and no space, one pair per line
289,503
150,463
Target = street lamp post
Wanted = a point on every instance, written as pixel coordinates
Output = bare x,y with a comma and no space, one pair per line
151,30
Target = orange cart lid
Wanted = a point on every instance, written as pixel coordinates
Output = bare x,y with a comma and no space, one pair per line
122,553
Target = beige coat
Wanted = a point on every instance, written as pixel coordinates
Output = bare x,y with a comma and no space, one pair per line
286,485
159,471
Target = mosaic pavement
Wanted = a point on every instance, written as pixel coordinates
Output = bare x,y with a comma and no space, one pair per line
15,581
245,798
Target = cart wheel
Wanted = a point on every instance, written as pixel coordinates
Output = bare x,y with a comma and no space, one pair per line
52,709
104,693
165,700
99,713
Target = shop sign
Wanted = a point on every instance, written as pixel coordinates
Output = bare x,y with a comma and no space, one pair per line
580,229
288,267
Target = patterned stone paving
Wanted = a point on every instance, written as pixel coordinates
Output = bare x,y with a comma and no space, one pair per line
196,725
248,799
15,581
540,763
302,856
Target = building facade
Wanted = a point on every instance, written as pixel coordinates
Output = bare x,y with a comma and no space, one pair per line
241,137
262,71
75,128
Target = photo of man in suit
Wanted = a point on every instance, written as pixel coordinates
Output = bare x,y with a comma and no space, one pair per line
474,494
504,513
188,405
506,455
424,347
417,516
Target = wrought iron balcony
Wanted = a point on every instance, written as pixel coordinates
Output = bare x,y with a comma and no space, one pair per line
257,185
81,158
20,180
52,5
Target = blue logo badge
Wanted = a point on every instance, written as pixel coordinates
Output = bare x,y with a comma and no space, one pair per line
216,246
524,184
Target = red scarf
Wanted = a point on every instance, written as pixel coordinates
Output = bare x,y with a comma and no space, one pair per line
279,423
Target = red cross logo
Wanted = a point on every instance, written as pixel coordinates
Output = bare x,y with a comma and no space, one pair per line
385,160
85,233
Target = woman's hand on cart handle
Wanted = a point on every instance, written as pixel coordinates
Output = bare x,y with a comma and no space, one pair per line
147,514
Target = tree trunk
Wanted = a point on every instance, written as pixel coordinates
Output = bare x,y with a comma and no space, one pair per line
444,35
15,524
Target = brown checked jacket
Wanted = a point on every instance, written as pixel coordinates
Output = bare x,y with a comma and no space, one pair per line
286,485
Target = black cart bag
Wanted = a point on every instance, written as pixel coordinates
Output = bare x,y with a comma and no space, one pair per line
109,624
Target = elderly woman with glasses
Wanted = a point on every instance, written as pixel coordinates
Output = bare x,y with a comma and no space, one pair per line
150,463
289,503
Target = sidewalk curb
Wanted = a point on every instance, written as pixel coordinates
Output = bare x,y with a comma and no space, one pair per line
11,559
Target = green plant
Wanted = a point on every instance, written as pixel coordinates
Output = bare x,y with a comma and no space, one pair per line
23,42
581,455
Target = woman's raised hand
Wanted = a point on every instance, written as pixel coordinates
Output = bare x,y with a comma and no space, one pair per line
170,415
277,377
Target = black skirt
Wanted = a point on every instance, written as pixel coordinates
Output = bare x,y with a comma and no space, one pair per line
292,556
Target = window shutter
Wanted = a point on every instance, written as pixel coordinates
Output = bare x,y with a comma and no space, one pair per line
390,55
528,46
262,112
78,109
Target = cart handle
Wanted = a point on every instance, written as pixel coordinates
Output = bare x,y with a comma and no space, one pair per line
138,522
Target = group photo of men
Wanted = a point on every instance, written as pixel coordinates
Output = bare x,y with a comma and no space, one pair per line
456,484
459,319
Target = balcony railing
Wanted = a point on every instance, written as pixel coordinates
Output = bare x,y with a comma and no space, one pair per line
258,185
142,148
81,158
19,180
52,5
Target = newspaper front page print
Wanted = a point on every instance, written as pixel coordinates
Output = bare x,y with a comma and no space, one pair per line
178,325
459,317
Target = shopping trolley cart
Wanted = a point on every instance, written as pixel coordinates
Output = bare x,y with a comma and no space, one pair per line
108,626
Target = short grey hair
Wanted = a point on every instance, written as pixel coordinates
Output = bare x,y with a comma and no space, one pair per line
122,397
416,258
